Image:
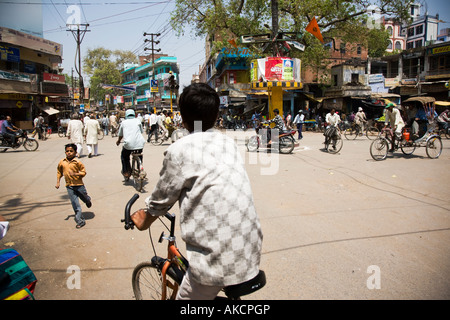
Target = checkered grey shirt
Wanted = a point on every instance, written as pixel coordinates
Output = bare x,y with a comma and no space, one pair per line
219,224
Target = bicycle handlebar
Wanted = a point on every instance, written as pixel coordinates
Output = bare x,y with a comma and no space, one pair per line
128,222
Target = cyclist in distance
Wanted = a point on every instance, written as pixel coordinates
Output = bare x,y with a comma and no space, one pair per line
131,132
332,119
205,173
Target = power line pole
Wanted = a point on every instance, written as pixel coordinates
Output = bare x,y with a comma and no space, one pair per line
153,42
79,34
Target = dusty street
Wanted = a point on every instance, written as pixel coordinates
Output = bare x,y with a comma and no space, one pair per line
335,226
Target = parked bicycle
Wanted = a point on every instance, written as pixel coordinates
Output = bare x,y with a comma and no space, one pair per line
159,278
380,147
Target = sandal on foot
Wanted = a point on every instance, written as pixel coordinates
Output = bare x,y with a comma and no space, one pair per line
81,225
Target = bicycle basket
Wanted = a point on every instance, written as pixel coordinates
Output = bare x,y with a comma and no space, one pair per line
17,281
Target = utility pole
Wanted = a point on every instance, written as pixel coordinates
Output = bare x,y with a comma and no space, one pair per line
153,42
79,34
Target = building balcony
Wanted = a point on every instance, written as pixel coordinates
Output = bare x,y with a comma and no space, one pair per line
443,73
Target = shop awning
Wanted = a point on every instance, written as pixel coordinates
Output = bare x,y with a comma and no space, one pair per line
442,103
49,110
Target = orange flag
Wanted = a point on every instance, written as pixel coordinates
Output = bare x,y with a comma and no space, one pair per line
313,28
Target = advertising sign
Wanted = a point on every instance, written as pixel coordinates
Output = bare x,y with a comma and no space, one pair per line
9,54
154,85
274,68
50,77
279,69
288,70
254,70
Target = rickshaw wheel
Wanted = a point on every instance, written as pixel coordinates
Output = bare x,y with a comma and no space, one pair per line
434,147
407,147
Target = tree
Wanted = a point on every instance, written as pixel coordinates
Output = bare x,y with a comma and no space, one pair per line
229,19
103,66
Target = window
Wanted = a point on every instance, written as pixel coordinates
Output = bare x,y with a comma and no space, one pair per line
342,48
418,44
419,29
390,30
355,77
358,49
410,32
398,45
389,47
335,80
410,45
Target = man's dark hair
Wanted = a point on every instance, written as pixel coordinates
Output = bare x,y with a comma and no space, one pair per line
199,102
71,145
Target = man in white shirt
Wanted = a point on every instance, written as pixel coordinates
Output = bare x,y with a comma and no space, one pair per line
298,120
332,119
394,118
153,126
75,133
131,132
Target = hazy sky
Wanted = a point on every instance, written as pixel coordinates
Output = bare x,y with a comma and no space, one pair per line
115,25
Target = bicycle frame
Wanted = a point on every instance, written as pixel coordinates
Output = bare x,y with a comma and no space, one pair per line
173,257
175,265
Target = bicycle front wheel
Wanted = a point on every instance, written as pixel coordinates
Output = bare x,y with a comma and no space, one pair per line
335,144
147,283
379,149
372,133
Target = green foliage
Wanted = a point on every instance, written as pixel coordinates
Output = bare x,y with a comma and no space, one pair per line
222,20
103,66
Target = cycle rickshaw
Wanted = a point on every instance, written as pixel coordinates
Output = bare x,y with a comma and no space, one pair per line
426,137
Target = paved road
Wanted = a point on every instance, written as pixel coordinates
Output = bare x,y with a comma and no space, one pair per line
334,225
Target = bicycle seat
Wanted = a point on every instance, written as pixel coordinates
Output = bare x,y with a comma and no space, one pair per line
247,287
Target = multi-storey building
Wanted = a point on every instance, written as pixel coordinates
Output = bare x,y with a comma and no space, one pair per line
29,79
146,97
397,37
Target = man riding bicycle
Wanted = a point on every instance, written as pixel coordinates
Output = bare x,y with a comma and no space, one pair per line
332,119
131,132
394,118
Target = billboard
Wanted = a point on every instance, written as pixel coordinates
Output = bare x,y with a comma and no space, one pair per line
275,69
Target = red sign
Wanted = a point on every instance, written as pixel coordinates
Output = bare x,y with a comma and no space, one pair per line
50,77
274,68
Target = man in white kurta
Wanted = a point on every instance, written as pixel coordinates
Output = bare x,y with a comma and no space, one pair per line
75,133
91,129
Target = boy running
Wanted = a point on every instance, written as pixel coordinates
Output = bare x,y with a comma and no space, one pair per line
73,171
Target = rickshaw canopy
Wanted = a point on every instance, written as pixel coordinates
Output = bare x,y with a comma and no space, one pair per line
423,100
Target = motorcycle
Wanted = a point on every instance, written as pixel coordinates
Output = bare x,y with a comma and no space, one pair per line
22,139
